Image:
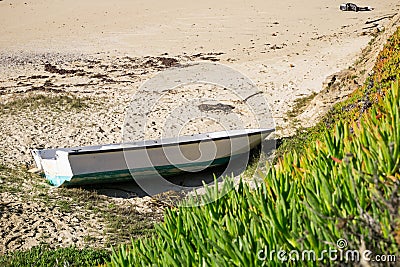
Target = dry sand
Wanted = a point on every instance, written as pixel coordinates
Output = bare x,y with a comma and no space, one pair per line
104,50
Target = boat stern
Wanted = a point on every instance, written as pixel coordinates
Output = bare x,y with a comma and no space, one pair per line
54,164
37,158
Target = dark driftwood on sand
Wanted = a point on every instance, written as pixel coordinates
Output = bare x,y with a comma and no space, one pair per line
381,18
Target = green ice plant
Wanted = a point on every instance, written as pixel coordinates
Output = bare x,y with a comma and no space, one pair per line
345,186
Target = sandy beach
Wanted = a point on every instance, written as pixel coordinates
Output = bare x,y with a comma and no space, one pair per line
100,52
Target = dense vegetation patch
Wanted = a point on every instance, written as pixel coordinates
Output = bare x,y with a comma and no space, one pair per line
342,194
44,256
344,189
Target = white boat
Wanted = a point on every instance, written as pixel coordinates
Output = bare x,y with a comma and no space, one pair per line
122,162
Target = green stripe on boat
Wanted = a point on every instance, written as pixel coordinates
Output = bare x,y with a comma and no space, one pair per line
127,174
